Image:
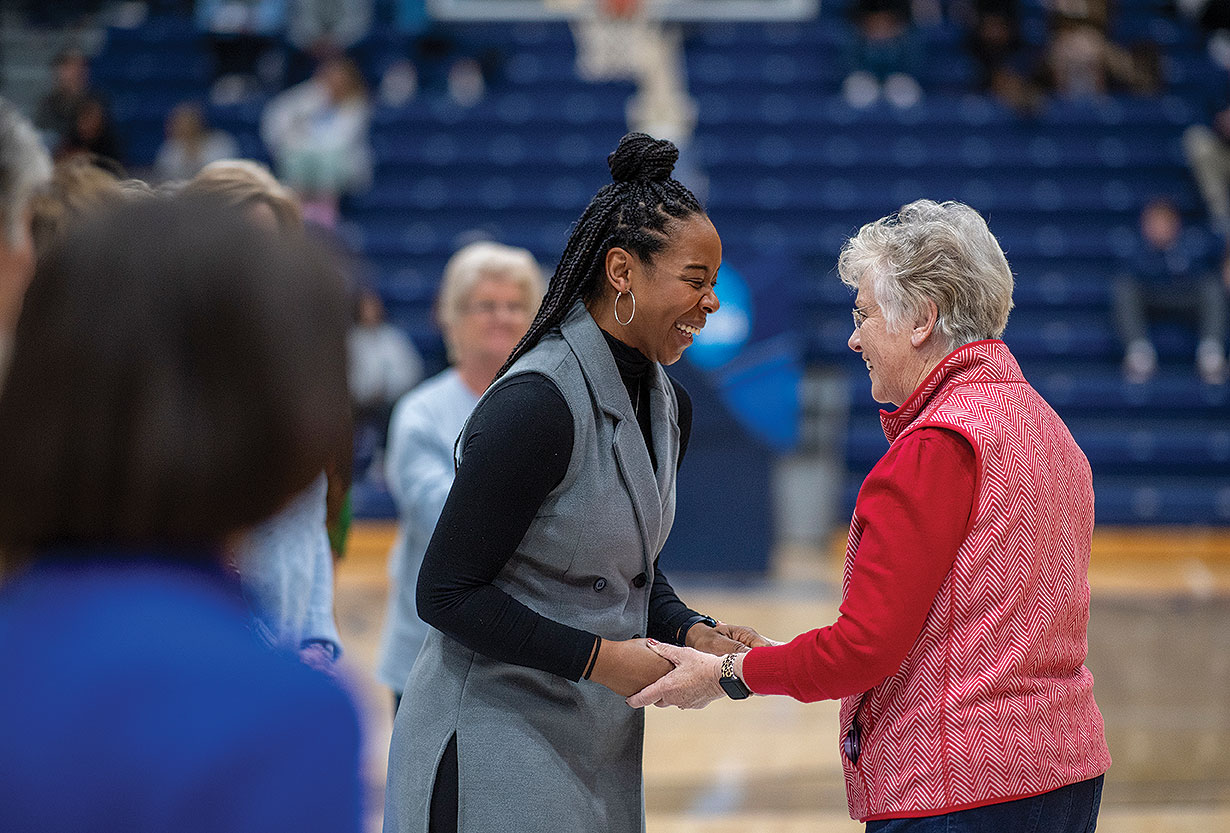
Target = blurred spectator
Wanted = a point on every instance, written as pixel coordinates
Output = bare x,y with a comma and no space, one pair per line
1081,62
383,366
1095,13
190,145
77,186
243,37
25,168
1208,154
488,297
92,132
57,111
317,134
883,55
994,39
60,15
327,28
174,381
435,61
1172,273
285,563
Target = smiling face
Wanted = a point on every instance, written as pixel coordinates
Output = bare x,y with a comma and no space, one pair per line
895,363
675,292
495,315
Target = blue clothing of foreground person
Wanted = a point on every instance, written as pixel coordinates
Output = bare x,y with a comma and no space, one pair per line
141,687
199,386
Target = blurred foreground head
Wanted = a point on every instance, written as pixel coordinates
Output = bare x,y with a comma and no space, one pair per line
178,373
25,168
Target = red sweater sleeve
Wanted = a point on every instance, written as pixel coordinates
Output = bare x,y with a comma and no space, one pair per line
915,507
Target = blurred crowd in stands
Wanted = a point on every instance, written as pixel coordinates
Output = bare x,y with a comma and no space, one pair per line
297,59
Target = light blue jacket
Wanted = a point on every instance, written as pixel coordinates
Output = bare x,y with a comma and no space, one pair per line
419,468
286,569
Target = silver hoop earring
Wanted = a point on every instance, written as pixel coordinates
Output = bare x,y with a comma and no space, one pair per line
630,317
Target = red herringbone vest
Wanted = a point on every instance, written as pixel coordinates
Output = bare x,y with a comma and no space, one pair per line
993,702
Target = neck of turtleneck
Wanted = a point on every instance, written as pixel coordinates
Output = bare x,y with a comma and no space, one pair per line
632,363
635,370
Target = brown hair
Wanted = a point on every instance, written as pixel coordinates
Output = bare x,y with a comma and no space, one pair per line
178,373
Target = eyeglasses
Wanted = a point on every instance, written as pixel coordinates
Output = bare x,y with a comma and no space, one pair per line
861,314
495,307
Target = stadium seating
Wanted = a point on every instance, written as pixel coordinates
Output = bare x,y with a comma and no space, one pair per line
793,170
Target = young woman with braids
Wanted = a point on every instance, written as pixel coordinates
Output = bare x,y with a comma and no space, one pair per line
541,580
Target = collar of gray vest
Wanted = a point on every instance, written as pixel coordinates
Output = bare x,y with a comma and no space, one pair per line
598,365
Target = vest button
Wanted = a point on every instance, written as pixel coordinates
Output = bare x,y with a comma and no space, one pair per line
640,581
599,584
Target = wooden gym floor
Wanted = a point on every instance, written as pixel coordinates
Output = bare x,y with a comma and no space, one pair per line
1159,650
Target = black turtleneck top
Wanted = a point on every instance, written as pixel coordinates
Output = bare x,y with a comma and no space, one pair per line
517,451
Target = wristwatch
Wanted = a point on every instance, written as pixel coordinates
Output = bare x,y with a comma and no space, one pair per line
699,619
735,688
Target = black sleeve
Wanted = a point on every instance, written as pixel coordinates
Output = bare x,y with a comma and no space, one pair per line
667,613
685,418
516,451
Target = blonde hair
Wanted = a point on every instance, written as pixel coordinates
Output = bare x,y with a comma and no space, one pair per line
242,183
77,187
940,252
484,260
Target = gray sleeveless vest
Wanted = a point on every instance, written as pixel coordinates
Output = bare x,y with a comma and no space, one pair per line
536,752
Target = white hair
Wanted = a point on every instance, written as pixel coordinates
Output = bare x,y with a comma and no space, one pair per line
479,261
940,252
25,167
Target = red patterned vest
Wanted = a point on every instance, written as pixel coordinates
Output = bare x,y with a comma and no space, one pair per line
993,702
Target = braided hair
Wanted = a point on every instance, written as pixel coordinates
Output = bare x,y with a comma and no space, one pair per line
631,212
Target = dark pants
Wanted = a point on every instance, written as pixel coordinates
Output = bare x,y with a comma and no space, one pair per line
1071,809
443,815
1201,301
442,818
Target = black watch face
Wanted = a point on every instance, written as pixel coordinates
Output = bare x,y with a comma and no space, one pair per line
734,688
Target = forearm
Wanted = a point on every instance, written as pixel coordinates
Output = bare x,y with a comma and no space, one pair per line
516,452
668,615
910,537
486,619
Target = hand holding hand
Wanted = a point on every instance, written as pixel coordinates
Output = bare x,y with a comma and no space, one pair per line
745,636
692,685
627,666
713,640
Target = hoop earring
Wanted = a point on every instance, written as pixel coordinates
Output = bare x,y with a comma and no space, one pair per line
630,317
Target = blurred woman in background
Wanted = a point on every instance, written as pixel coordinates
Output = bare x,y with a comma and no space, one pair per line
190,144
286,562
487,300
317,134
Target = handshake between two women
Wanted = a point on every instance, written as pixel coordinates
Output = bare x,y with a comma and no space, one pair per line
649,672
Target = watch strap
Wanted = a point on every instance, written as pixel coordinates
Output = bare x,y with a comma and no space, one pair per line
681,634
735,688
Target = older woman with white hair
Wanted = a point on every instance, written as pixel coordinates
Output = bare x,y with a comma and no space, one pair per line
958,652
486,302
